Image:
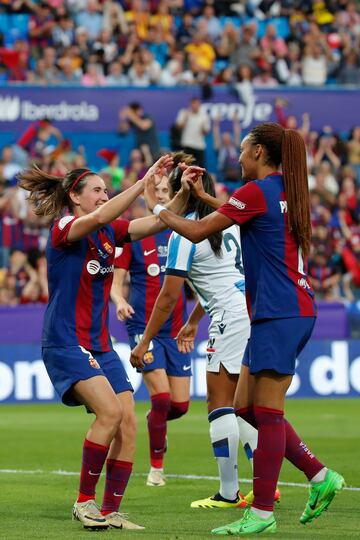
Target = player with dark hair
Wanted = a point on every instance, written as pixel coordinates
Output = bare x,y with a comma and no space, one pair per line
76,346
274,213
167,375
214,270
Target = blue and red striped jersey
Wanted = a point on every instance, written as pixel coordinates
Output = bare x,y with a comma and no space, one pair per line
145,260
80,276
275,274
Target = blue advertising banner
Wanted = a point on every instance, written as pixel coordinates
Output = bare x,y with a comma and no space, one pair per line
79,109
324,369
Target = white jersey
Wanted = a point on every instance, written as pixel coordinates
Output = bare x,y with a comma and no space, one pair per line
218,281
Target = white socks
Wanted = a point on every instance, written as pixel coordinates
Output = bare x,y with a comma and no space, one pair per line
224,435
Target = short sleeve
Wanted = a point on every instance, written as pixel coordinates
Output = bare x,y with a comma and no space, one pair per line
60,231
180,255
246,203
124,259
121,229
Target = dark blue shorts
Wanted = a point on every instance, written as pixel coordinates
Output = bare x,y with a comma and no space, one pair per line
69,365
276,343
164,354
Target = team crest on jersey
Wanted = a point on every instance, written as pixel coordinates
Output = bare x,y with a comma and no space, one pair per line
94,363
108,248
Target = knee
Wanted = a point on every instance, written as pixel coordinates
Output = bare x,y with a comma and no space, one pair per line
161,403
129,424
111,417
178,409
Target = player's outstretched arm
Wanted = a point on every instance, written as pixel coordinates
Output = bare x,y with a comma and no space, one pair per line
150,225
112,209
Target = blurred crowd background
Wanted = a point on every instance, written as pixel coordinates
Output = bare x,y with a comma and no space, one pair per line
244,45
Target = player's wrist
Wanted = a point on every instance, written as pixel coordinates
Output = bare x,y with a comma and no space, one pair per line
158,208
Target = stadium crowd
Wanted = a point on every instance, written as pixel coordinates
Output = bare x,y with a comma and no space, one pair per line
176,42
141,43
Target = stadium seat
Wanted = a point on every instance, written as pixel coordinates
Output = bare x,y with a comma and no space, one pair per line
4,22
20,21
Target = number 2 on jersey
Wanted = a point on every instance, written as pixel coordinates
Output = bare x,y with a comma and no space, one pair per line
228,240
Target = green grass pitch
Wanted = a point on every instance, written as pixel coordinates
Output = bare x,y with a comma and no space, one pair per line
38,440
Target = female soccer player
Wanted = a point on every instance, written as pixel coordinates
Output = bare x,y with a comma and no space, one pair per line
167,376
273,211
76,345
214,269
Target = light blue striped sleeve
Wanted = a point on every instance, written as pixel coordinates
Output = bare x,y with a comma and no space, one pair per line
180,255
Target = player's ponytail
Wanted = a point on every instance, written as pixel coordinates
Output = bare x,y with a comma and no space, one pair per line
49,194
293,157
286,147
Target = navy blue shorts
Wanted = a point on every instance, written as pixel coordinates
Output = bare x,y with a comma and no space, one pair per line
276,343
163,354
69,365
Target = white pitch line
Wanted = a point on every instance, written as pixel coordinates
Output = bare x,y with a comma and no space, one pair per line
181,476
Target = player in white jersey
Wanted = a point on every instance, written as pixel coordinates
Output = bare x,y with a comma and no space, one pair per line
214,269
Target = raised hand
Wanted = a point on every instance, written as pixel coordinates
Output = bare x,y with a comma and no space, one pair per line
159,169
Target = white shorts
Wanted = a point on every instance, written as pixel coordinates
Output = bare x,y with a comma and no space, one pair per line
228,336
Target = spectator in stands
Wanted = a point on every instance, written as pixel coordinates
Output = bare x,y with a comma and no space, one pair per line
227,146
212,23
91,18
353,151
200,50
146,137
228,42
314,66
41,26
247,50
116,76
92,77
194,125
349,71
265,78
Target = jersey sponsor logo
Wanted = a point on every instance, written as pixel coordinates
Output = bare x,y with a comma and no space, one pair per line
153,270
283,207
94,363
239,204
186,368
94,267
146,253
64,221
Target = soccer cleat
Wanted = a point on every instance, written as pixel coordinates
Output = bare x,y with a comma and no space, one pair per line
249,524
249,498
321,495
88,513
117,520
217,501
156,478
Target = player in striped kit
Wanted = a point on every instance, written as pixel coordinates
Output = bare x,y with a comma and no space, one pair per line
274,213
167,373
76,344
